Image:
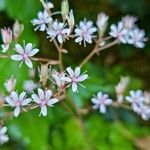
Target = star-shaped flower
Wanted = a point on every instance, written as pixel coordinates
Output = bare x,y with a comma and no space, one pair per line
25,53
101,101
44,99
17,101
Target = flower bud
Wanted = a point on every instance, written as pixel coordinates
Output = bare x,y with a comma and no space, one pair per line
43,74
10,84
121,87
70,19
102,19
6,36
17,29
64,9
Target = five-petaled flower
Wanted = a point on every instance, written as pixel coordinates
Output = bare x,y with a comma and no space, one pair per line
137,38
84,32
101,101
58,30
42,21
17,101
25,53
119,32
74,78
3,136
44,99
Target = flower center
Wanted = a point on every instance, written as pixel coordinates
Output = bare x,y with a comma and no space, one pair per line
74,79
25,55
18,103
43,102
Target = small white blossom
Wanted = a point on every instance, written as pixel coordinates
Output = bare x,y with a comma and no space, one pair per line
102,19
101,101
3,136
6,38
25,53
137,38
17,101
44,99
74,78
42,21
84,32
129,22
136,98
10,84
58,30
118,32
29,86
58,77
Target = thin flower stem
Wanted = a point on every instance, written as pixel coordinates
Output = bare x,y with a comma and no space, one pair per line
96,50
50,61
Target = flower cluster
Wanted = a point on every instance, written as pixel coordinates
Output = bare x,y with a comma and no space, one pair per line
126,31
138,103
3,136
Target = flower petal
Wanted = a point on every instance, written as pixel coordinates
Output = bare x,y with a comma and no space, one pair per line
10,101
14,96
70,71
41,94
26,101
19,49
29,63
77,71
22,96
82,78
74,87
52,101
16,57
43,110
48,94
17,111
33,52
35,98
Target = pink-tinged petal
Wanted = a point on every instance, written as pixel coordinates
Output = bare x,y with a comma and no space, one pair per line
26,101
82,78
28,47
52,101
74,87
17,111
77,71
22,96
70,71
48,94
3,130
102,109
16,57
33,52
19,49
108,102
10,101
35,98
29,63
14,96
43,111
41,94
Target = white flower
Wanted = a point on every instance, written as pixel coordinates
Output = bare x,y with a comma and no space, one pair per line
42,21
102,19
17,101
43,99
24,54
101,101
58,30
129,22
118,32
58,77
84,32
3,136
74,78
136,98
29,86
10,84
6,38
137,38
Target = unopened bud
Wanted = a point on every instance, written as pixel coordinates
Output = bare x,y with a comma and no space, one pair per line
17,29
102,19
6,35
10,84
70,19
64,9
43,73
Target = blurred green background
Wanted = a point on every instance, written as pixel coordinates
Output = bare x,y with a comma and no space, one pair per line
61,130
